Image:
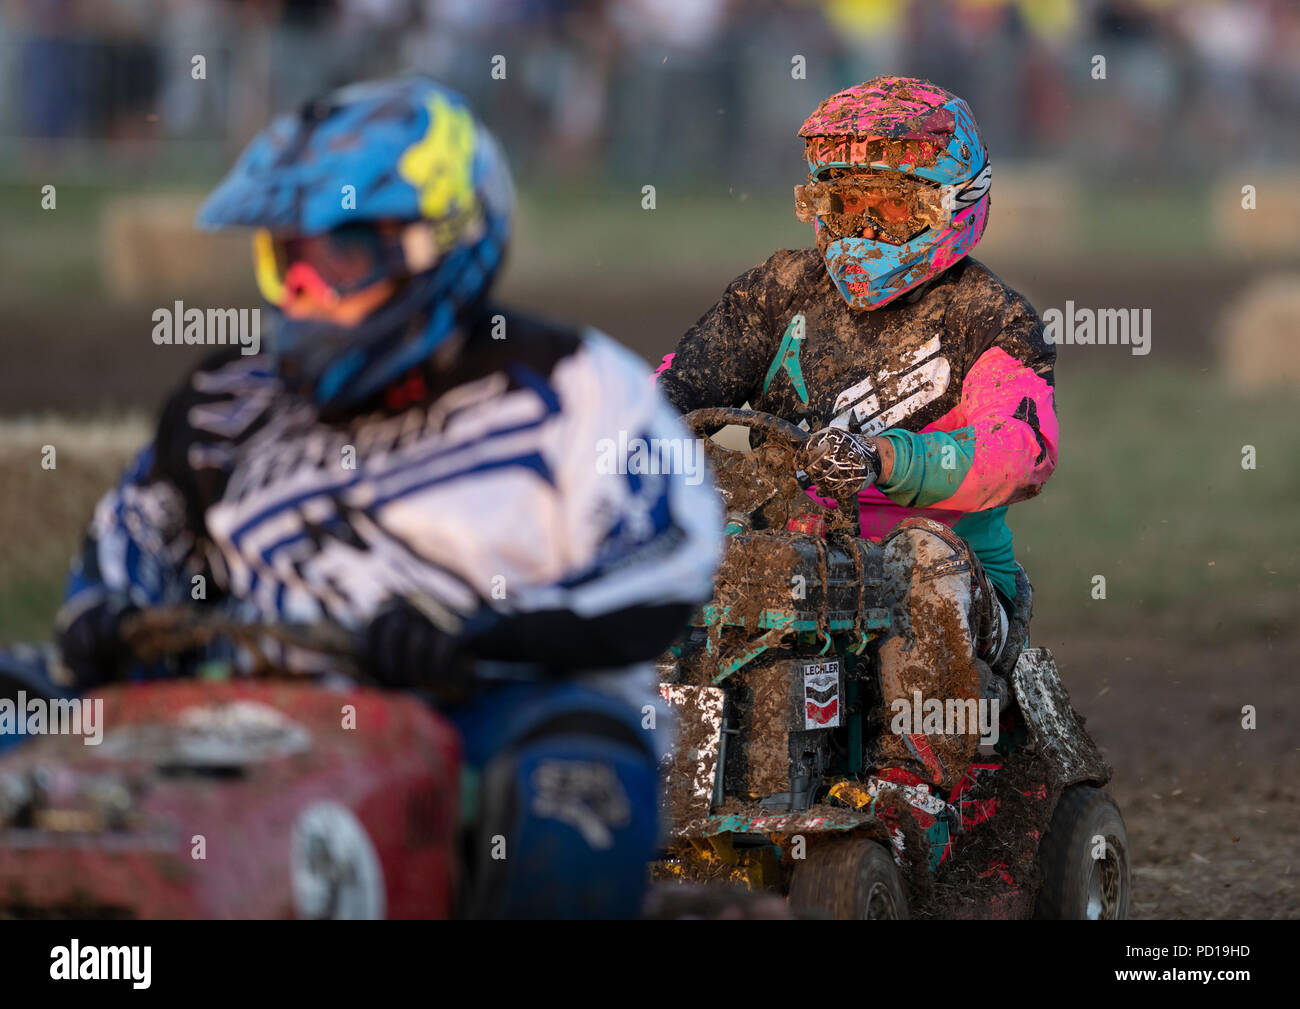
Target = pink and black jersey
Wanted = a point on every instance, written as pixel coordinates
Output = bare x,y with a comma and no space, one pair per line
957,375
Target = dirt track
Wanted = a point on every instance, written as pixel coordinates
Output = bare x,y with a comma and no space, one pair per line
91,356
1212,809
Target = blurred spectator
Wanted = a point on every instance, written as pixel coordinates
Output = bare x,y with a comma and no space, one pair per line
598,89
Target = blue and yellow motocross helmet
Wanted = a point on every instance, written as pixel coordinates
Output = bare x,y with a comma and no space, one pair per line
387,179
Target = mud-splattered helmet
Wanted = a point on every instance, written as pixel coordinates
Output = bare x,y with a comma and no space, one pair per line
904,158
388,179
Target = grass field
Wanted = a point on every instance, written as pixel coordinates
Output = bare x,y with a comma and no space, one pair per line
1150,493
562,232
43,512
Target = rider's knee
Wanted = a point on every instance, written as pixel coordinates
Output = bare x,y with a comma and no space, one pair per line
919,550
567,820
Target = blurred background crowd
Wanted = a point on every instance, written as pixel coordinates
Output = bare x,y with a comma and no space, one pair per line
597,89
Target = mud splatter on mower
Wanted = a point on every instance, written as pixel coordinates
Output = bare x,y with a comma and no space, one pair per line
777,691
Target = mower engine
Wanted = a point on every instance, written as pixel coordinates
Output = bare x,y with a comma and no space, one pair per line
777,671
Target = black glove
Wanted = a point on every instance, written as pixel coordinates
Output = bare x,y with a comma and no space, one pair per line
839,462
403,649
91,646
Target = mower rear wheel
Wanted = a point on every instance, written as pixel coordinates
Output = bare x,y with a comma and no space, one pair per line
848,879
1083,859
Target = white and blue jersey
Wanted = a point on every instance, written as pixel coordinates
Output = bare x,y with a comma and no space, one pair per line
512,488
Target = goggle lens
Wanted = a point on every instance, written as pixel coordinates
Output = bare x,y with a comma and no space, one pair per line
900,208
329,266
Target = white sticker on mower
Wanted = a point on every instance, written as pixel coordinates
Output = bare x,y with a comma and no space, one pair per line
821,695
699,713
333,866
216,735
918,796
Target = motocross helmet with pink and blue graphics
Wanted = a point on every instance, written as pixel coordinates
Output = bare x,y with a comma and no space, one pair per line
922,134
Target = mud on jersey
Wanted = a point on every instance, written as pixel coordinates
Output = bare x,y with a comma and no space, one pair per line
492,493
958,377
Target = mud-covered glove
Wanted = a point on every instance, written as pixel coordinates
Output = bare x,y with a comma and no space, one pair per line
839,462
404,649
91,645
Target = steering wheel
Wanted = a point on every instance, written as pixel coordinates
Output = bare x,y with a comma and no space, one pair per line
154,633
763,480
709,419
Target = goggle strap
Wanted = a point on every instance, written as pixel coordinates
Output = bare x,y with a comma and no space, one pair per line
962,195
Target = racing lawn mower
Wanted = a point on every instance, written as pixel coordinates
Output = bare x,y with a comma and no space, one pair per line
229,797
253,789
777,691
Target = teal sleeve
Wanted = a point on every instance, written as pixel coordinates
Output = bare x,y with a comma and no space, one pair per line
928,467
990,538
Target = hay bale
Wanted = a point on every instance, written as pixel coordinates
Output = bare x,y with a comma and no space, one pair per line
44,512
1258,335
150,248
1033,211
1269,229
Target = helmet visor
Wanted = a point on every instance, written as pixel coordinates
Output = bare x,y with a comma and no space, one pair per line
342,261
900,208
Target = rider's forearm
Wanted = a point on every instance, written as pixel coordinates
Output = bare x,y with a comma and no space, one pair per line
137,544
564,640
136,554
924,468
1003,451
886,449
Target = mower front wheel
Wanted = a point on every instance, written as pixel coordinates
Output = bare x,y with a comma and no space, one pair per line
848,879
1083,859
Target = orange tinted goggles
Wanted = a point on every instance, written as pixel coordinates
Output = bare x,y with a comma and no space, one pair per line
901,208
